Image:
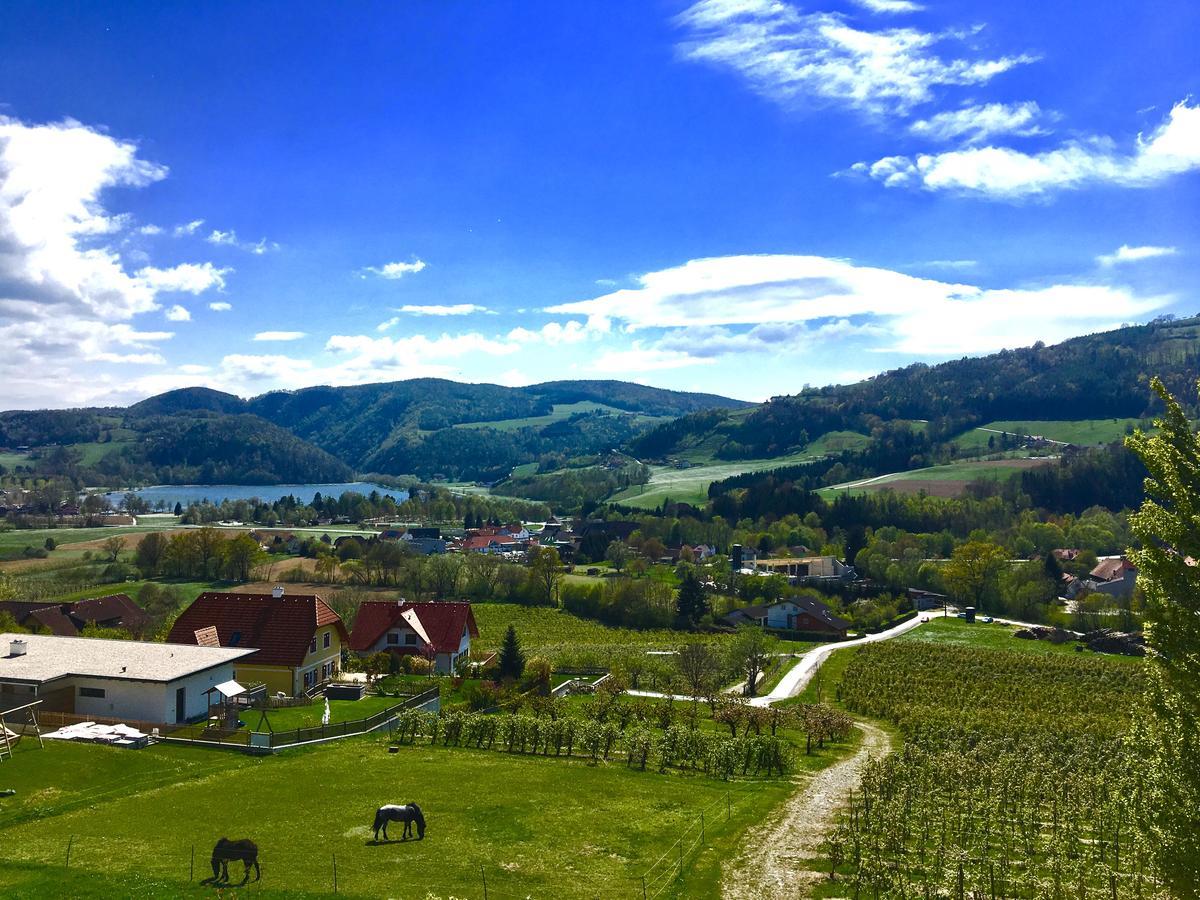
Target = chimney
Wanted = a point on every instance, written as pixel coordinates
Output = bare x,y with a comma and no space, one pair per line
277,591
18,648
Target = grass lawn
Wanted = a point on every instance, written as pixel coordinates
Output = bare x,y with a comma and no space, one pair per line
20,538
561,411
942,481
293,717
956,632
548,632
133,817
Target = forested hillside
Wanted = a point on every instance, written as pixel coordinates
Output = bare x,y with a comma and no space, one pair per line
1097,376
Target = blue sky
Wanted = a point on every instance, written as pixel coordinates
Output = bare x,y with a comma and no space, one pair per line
738,196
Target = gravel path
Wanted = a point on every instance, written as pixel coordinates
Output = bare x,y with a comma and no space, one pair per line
774,854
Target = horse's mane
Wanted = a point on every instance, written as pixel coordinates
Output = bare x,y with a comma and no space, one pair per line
417,810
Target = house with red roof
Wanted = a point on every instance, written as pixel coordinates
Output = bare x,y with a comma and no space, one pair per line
298,637
440,632
69,619
489,543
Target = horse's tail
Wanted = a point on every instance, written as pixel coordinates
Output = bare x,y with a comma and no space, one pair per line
380,818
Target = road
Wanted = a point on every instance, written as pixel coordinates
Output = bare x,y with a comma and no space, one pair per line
798,677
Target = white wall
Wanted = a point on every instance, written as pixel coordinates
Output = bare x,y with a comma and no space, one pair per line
148,701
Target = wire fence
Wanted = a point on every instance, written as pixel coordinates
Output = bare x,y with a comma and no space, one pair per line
99,853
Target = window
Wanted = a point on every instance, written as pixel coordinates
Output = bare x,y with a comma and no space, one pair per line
326,644
410,640
97,693
393,638
235,639
312,648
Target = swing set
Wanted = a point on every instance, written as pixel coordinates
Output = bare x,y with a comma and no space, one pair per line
9,738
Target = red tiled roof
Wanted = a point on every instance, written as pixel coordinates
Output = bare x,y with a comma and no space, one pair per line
280,627
443,622
67,619
480,542
1112,569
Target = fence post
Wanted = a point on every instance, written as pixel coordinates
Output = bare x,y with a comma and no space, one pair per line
484,877
335,873
192,865
702,828
643,887
681,857
70,841
728,807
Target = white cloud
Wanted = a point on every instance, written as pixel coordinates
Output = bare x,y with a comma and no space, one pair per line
790,56
890,6
978,123
900,312
950,264
194,369
190,278
189,228
178,313
644,359
220,306
1125,254
1007,174
67,295
553,333
150,230
230,239
394,270
279,335
457,309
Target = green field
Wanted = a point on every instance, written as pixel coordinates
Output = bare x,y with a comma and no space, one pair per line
537,827
8,460
690,485
953,632
561,411
19,538
1083,432
552,632
944,481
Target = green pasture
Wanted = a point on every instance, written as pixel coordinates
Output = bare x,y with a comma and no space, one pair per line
1083,432
561,411
19,538
538,827
690,485
8,460
955,632
956,472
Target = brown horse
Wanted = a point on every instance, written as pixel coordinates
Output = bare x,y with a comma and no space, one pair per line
226,851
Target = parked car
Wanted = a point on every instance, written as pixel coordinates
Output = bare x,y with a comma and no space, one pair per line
961,615
987,620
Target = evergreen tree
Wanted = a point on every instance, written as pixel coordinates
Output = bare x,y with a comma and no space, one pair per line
178,509
691,601
1167,735
512,658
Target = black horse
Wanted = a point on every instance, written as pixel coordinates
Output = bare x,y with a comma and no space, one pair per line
227,851
407,814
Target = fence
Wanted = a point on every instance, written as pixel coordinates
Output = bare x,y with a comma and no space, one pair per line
269,742
667,875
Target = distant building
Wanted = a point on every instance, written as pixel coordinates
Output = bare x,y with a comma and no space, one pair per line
130,680
68,619
299,638
793,614
440,632
806,568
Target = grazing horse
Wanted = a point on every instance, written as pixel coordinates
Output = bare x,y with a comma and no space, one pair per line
407,814
226,851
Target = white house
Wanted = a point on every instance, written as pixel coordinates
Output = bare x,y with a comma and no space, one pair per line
131,680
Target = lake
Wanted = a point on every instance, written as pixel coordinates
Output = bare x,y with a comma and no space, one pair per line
170,494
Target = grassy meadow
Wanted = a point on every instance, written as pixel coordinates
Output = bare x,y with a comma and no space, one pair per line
132,818
1082,432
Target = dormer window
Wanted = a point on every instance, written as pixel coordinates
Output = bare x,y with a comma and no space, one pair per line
410,640
393,638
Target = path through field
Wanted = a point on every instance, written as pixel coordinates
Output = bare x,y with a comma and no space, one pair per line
776,856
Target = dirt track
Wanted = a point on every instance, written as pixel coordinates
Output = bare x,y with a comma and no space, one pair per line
775,855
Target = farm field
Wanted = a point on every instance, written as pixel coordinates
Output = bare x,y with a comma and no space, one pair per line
1082,432
561,411
19,538
690,485
553,633
497,811
952,632
1012,757
939,481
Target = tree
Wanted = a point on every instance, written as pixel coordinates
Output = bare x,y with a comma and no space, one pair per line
653,549
545,573
748,653
149,553
973,570
238,556
691,602
1168,735
178,509
512,659
617,554
377,664
700,668
113,547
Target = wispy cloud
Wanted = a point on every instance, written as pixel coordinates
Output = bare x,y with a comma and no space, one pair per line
1007,174
230,239
220,306
395,270
978,123
280,335
1127,254
189,228
457,309
191,278
793,57
904,313
889,6
178,313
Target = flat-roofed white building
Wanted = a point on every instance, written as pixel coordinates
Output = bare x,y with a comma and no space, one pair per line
132,680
